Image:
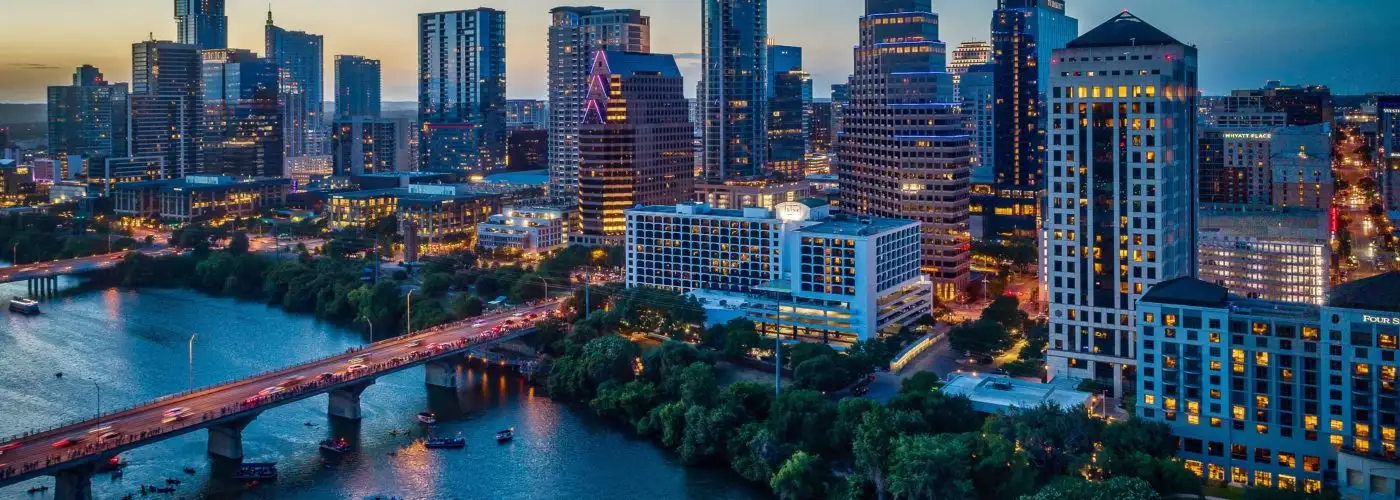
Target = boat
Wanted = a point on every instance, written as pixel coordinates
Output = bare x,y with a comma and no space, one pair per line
27,307
257,471
336,445
441,442
427,417
505,435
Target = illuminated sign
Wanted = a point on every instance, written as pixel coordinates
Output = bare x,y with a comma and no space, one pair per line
1380,320
1245,135
792,211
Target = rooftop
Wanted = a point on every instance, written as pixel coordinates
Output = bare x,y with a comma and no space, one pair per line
990,393
1188,291
847,225
1377,293
196,183
1122,30
641,63
404,195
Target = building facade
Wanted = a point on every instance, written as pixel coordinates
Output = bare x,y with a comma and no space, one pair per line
362,146
575,35
903,150
299,58
88,119
789,99
198,197
527,114
1024,34
1270,254
634,143
241,127
819,132
1122,183
1388,151
532,231
1285,166
165,104
968,54
442,216
462,90
734,41
795,270
1274,394
357,87
201,23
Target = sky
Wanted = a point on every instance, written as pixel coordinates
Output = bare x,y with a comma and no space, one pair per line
1348,45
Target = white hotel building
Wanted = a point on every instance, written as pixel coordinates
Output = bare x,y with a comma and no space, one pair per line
1121,189
796,269
532,230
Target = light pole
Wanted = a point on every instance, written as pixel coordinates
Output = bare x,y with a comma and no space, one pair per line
192,336
14,254
99,401
371,328
408,328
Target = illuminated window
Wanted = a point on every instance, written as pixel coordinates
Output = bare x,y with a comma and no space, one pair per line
1215,364
1237,412
1336,425
1310,333
1287,482
1336,440
1310,422
1312,486
1195,467
1287,460
1149,399
1362,430
1261,401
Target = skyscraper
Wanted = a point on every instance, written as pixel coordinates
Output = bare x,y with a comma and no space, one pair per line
575,35
1024,32
242,120
634,143
87,119
976,90
526,114
462,90
1122,206
903,150
363,145
819,133
357,87
299,60
840,99
1388,150
201,23
734,39
969,53
789,99
166,104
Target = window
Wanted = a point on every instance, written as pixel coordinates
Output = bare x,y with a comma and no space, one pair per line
1263,479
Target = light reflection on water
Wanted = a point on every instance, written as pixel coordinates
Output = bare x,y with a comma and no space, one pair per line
134,345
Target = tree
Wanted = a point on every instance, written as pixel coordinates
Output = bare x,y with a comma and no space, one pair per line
850,413
1076,488
807,350
1005,311
919,382
698,386
705,432
488,287
999,470
468,306
924,466
873,443
821,373
436,284
1139,435
609,358
528,287
802,417
755,453
982,337
630,401
799,477
239,244
1058,440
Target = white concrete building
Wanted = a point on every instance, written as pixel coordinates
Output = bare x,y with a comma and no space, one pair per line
532,230
796,270
1281,255
1121,207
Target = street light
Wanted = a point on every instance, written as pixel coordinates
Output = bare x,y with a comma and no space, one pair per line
408,328
371,328
192,336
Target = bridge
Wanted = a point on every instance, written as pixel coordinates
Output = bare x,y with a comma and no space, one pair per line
73,452
43,276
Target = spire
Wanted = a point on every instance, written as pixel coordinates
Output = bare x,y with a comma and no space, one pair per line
269,14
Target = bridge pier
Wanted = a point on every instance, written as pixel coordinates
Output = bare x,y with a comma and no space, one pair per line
226,439
345,402
74,483
442,373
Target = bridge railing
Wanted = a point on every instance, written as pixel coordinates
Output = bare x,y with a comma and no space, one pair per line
187,392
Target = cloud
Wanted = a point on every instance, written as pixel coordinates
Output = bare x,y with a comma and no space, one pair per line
34,66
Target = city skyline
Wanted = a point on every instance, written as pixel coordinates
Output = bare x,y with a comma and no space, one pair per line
1234,55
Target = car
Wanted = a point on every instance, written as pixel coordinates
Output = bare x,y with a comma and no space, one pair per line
178,411
861,391
8,447
415,343
478,324
274,390
355,368
254,399
358,361
109,436
325,376
66,442
292,381
100,430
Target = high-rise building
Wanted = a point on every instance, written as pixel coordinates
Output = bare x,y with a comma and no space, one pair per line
357,87
528,149
968,54
299,60
201,23
462,90
734,40
241,126
527,114
819,133
755,263
87,120
1122,208
1275,394
840,99
575,35
978,105
634,143
789,97
1388,150
166,104
1284,166
1296,104
362,146
1024,33
903,150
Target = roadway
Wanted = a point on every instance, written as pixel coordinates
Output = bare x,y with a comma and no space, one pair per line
78,265
42,453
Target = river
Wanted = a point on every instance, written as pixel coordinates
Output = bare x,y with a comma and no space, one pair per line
118,348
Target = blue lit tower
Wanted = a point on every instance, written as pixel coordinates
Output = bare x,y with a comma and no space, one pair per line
733,88
242,120
357,87
201,23
462,90
789,98
918,169
299,60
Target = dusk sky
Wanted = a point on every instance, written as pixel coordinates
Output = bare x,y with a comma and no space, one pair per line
1348,45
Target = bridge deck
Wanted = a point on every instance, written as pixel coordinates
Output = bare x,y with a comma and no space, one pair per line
34,454
80,265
